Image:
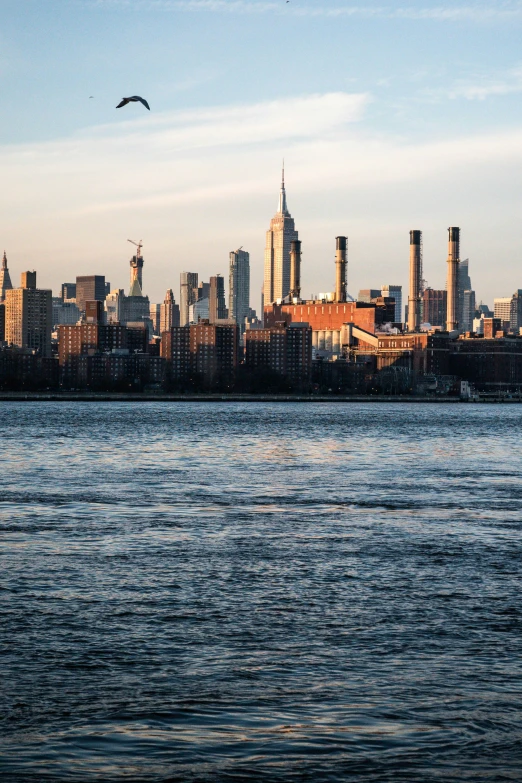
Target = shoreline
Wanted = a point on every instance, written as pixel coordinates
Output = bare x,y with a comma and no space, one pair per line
163,397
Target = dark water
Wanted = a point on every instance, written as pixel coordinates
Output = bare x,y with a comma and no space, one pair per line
228,592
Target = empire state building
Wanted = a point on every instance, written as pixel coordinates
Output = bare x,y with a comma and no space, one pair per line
277,251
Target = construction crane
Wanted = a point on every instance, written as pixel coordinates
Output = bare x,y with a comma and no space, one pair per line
139,245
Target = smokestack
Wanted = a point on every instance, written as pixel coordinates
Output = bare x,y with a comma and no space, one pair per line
295,269
452,319
415,280
340,269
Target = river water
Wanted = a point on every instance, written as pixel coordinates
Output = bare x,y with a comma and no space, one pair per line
274,592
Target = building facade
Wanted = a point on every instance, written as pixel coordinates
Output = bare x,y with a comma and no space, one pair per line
187,295
28,317
169,313
239,287
68,292
394,292
468,311
434,306
286,350
89,287
64,312
464,284
217,309
204,353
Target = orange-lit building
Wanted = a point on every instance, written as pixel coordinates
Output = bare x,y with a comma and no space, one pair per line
324,316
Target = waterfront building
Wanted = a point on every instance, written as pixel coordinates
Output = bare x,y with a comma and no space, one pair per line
204,352
188,295
89,287
286,350
5,279
28,316
279,237
239,287
394,292
329,315
88,339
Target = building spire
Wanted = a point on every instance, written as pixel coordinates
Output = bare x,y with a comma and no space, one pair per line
282,209
5,279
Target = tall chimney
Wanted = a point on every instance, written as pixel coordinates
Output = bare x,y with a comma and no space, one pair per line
295,269
415,281
340,269
452,320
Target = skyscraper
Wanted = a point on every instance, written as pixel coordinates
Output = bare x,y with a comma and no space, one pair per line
395,292
136,265
5,279
464,284
187,294
155,315
169,313
28,316
468,310
239,287
277,251
217,309
88,288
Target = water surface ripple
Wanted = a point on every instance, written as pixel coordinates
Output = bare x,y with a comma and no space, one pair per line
276,592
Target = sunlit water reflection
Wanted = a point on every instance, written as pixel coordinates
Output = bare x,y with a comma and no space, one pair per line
224,591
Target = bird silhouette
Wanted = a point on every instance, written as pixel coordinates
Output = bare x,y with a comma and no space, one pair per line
133,99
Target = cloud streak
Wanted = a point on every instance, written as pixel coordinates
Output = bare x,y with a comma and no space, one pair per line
500,11
486,87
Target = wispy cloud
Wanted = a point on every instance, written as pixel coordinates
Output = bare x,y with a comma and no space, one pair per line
109,157
482,12
488,86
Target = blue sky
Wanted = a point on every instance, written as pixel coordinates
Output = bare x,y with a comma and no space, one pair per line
390,116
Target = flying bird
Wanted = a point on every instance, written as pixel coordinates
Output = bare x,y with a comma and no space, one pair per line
133,98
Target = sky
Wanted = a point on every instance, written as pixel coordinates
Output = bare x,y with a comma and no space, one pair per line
389,116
